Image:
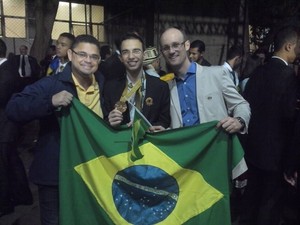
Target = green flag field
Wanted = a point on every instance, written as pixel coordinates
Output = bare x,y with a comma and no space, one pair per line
180,176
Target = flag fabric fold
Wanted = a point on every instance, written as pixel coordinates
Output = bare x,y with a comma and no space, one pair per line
140,126
183,176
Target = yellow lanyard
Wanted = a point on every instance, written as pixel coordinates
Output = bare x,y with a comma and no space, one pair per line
127,94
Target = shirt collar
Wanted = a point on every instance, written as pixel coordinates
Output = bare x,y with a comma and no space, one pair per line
141,74
276,57
227,66
62,64
191,71
94,84
2,60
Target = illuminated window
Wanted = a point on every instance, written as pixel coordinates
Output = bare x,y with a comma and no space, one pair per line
80,13
14,7
13,18
58,28
79,19
15,27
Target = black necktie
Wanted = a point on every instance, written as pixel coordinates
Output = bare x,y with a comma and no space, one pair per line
233,75
23,66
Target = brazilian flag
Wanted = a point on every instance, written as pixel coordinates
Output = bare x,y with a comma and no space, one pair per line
181,176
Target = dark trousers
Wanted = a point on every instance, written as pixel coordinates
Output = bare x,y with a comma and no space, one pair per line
291,212
262,201
14,187
49,204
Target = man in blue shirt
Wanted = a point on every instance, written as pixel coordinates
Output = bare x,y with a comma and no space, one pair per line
201,94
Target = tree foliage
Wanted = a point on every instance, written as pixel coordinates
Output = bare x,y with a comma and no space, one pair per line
267,16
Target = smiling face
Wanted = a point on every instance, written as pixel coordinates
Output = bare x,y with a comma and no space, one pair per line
132,56
174,48
85,58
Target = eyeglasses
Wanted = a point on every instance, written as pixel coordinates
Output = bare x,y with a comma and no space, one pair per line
84,55
175,46
136,52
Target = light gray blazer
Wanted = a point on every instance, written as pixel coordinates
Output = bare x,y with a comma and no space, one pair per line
217,97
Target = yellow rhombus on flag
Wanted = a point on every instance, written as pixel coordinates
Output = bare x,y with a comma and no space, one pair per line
195,194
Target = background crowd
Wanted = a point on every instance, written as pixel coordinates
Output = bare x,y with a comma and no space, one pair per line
254,95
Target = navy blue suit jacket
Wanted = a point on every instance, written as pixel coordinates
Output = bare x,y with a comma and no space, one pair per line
156,111
35,102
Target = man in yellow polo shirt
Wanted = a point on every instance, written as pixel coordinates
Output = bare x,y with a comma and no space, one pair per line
42,100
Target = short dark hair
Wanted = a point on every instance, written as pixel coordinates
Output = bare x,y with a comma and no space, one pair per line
198,44
24,47
284,35
3,49
104,50
85,38
132,35
70,36
233,51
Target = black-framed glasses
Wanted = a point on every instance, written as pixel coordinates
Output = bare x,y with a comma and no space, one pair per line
84,55
175,46
136,52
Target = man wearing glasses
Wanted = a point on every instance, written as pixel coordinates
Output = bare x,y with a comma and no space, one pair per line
42,100
201,94
147,93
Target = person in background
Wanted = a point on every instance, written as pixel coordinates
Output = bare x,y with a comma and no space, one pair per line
28,67
292,177
233,61
112,67
152,62
263,54
43,100
44,63
63,44
252,62
29,71
14,187
196,53
272,93
105,52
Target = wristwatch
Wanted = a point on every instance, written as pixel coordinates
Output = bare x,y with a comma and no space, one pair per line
241,121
